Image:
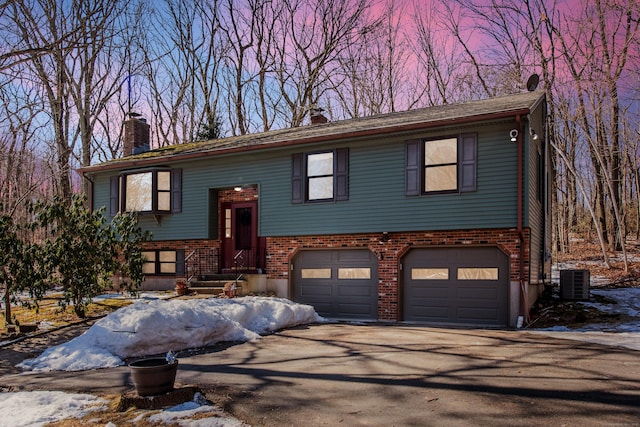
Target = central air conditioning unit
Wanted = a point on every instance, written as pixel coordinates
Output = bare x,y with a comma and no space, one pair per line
574,284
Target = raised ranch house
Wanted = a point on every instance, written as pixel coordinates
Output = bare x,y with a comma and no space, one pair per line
438,215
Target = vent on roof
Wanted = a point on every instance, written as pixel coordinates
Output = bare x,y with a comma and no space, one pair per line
574,284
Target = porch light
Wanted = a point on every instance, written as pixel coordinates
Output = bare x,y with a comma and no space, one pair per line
533,134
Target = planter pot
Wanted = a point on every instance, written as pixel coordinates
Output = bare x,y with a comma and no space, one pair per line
153,376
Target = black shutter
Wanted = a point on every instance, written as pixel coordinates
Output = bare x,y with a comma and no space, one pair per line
213,214
180,263
114,195
342,174
412,168
297,178
176,190
468,162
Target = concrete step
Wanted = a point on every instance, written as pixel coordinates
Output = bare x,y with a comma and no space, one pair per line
216,287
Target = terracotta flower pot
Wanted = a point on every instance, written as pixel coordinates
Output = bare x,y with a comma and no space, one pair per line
153,376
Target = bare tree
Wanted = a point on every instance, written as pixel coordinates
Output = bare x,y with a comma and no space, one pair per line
595,54
181,65
238,25
313,37
22,162
77,76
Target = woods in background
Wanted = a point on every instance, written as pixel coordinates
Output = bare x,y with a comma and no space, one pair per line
71,71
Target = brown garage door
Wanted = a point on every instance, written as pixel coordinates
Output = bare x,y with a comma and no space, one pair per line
339,284
467,286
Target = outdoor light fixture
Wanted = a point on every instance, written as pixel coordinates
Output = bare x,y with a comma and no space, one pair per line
385,237
237,188
533,134
513,133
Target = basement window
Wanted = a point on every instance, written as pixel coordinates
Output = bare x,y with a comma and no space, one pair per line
160,262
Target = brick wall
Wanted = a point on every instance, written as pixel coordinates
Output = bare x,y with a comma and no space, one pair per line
204,255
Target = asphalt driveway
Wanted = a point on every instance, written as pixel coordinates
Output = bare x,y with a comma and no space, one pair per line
398,375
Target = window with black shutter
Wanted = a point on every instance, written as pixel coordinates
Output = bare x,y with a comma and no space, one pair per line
155,191
320,176
443,165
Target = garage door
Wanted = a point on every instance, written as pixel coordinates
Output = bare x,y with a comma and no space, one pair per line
339,284
467,286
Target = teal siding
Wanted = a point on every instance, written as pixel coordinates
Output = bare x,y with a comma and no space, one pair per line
376,192
535,217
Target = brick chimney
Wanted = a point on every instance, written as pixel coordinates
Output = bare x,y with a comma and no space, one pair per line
317,117
136,135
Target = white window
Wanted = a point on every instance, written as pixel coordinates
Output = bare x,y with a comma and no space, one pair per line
159,262
148,191
320,176
487,273
354,273
429,274
441,165
315,273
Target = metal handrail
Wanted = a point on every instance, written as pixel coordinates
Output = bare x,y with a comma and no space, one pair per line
186,262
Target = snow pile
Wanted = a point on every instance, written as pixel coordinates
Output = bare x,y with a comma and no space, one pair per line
18,408
157,326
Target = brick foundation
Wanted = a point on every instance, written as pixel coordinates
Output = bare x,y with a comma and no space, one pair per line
280,251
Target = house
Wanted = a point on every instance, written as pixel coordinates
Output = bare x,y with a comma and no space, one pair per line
438,215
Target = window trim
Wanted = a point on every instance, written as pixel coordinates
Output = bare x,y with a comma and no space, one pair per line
308,178
426,166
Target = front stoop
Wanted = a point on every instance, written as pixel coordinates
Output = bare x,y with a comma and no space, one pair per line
214,284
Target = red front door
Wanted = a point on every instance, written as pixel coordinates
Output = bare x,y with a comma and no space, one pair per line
239,236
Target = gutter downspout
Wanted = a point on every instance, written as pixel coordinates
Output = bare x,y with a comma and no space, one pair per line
524,308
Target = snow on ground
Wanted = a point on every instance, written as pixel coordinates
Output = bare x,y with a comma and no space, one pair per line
132,331
38,408
151,327
627,301
184,413
117,335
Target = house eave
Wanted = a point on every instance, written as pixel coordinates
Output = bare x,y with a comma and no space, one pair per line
156,159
